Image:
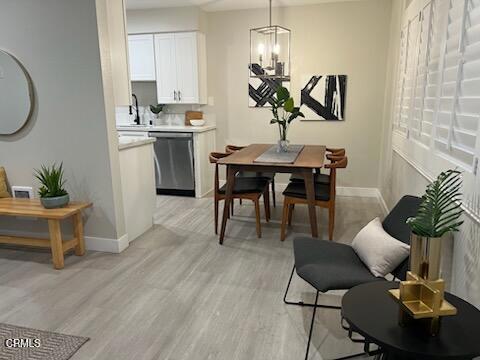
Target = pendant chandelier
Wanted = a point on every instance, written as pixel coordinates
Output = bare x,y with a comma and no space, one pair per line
270,51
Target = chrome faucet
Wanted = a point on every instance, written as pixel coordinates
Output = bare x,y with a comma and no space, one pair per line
137,114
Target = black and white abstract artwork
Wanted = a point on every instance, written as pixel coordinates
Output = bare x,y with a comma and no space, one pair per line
262,91
323,97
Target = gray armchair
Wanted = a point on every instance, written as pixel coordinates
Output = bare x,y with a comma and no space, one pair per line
327,265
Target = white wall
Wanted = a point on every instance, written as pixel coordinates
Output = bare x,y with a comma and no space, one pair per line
165,20
334,38
58,43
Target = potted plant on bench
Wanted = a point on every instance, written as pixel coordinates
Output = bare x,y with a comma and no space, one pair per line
52,193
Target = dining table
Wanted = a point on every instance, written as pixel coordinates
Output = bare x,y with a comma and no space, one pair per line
310,158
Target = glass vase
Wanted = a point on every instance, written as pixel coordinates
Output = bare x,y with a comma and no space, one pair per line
282,145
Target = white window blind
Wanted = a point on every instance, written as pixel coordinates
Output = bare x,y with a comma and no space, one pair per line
458,104
438,89
407,74
420,124
401,79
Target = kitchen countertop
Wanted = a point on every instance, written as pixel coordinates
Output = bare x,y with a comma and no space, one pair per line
167,128
127,142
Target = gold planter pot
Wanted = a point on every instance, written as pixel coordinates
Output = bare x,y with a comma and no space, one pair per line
421,296
425,257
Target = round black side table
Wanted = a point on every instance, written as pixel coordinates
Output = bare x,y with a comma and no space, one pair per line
371,312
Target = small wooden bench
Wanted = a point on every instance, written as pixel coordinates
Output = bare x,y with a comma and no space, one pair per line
33,208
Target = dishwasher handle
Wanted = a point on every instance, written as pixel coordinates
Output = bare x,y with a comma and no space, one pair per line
170,135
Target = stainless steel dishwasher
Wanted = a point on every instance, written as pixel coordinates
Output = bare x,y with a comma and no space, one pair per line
174,165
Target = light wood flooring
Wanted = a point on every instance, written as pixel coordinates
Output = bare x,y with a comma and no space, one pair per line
175,294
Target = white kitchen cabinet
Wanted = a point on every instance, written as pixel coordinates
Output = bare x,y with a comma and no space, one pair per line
166,68
181,68
203,144
142,57
137,170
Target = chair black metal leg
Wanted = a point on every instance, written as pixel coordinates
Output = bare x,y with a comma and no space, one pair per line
273,193
311,326
301,303
353,356
315,305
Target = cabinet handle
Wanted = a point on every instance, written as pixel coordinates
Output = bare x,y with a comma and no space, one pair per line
179,96
175,95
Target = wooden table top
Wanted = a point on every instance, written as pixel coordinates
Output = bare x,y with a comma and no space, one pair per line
33,208
311,156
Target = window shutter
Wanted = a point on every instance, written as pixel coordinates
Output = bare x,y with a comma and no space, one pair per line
458,101
401,79
418,129
407,75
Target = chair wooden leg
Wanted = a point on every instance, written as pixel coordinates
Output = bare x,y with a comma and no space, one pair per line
331,221
232,204
284,220
257,217
291,207
240,201
215,206
266,202
273,193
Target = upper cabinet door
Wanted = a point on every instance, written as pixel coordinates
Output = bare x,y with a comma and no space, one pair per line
167,90
187,67
142,57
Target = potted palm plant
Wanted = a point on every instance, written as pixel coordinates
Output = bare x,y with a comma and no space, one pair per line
439,213
52,193
284,112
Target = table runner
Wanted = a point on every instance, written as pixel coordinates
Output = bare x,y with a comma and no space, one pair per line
282,157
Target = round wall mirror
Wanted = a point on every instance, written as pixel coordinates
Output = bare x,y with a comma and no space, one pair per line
16,94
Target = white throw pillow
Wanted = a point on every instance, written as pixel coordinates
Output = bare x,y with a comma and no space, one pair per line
379,251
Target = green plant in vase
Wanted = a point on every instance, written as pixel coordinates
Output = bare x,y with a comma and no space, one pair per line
438,214
52,192
157,110
284,112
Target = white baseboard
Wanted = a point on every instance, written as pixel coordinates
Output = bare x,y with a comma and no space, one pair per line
357,191
115,246
385,208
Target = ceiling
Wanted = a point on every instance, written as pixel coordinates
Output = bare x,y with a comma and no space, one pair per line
220,5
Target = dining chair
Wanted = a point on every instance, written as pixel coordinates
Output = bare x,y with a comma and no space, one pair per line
325,195
244,188
270,176
319,177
